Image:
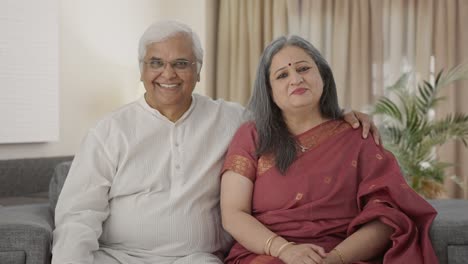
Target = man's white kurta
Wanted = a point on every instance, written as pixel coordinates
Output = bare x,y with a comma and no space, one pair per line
146,187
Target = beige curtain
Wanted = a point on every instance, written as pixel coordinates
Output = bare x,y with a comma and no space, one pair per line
244,28
449,40
209,62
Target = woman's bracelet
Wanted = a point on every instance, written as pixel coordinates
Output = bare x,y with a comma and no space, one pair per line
339,255
283,247
268,243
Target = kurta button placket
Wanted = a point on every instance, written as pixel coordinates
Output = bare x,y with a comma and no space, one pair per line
176,151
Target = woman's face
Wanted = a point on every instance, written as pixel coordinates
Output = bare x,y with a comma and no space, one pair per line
295,81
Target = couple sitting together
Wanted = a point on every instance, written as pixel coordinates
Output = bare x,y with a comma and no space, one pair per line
290,178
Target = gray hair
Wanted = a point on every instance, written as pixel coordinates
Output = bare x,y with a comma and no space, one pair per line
274,135
164,29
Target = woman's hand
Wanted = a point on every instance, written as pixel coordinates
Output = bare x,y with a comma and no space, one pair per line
303,253
332,258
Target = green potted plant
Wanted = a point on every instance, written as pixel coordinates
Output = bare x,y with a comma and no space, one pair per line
411,132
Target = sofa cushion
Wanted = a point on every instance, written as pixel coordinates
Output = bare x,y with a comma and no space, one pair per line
13,257
28,229
449,231
458,254
56,183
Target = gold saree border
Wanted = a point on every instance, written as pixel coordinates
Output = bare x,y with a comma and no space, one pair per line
309,139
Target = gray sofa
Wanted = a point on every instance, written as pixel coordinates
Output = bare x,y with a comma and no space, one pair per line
26,221
29,190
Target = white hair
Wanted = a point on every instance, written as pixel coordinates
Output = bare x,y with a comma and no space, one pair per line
164,29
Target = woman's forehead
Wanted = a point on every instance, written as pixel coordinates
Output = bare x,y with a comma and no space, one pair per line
290,56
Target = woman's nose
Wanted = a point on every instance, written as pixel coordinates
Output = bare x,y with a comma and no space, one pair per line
296,78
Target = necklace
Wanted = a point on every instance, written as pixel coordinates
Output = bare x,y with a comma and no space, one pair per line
303,148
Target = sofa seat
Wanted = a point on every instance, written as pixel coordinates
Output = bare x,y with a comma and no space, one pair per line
449,231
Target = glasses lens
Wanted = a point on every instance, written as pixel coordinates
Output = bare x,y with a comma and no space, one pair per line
156,64
180,64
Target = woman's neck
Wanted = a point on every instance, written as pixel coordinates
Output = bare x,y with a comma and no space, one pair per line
299,123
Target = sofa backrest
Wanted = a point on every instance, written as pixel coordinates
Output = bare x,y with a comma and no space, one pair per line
27,176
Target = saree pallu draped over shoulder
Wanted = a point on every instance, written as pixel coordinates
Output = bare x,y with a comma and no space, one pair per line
338,184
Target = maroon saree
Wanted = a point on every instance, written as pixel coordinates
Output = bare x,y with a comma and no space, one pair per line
340,183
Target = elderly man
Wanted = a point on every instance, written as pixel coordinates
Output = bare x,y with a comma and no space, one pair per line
144,186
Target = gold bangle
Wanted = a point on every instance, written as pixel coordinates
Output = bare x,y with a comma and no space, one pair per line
339,255
283,247
268,243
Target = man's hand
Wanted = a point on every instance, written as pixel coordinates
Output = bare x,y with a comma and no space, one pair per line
355,119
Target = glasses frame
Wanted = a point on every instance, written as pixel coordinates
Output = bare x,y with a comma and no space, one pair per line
171,63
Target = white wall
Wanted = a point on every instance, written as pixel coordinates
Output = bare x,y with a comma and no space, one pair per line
98,63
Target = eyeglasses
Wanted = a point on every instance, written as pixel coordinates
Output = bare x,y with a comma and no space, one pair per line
179,65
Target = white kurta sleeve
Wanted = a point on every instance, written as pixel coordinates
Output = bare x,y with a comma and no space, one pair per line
83,204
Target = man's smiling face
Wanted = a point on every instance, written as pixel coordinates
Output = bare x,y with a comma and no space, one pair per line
170,88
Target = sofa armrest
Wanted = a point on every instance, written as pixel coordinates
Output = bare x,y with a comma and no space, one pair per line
27,229
56,183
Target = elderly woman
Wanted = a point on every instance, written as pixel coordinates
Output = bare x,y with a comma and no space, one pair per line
299,185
